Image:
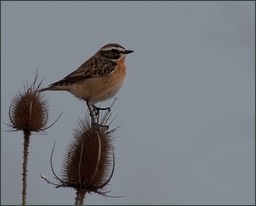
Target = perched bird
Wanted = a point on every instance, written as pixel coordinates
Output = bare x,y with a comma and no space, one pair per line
97,79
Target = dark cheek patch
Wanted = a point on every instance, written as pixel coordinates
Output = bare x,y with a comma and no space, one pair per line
110,55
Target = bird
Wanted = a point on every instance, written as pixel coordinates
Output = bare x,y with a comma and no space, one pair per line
99,78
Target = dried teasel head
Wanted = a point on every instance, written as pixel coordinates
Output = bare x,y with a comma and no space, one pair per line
28,110
89,161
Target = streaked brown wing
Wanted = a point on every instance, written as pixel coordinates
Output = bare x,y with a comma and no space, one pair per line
92,68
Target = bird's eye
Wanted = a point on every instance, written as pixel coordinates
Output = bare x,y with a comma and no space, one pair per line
114,50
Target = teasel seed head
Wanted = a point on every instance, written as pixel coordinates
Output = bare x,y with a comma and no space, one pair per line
28,111
89,158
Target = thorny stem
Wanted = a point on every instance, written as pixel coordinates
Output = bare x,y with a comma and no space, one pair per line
25,166
80,195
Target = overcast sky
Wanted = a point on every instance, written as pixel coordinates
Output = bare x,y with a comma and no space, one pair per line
186,109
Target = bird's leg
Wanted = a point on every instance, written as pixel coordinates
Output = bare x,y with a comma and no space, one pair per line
91,112
94,113
96,110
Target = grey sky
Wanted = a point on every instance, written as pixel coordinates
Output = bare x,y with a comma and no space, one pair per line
186,109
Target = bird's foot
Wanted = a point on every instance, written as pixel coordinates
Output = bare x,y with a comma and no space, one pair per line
106,127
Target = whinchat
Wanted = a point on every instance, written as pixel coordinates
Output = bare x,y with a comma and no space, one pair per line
97,79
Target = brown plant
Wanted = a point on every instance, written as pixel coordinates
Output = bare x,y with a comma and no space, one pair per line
28,112
88,159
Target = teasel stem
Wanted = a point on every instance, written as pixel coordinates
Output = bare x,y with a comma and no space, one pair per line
80,195
25,165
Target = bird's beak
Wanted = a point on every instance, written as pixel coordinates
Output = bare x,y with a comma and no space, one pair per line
128,51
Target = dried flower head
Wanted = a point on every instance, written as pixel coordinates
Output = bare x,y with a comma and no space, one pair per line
89,156
28,111
89,160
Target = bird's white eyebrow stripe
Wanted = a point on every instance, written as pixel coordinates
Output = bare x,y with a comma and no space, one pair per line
113,47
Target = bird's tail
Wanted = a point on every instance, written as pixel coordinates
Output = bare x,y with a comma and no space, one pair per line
44,89
52,88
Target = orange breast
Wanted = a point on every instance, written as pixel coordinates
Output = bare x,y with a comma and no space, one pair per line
121,69
102,88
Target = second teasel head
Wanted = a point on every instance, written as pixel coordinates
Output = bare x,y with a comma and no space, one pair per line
28,111
89,161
